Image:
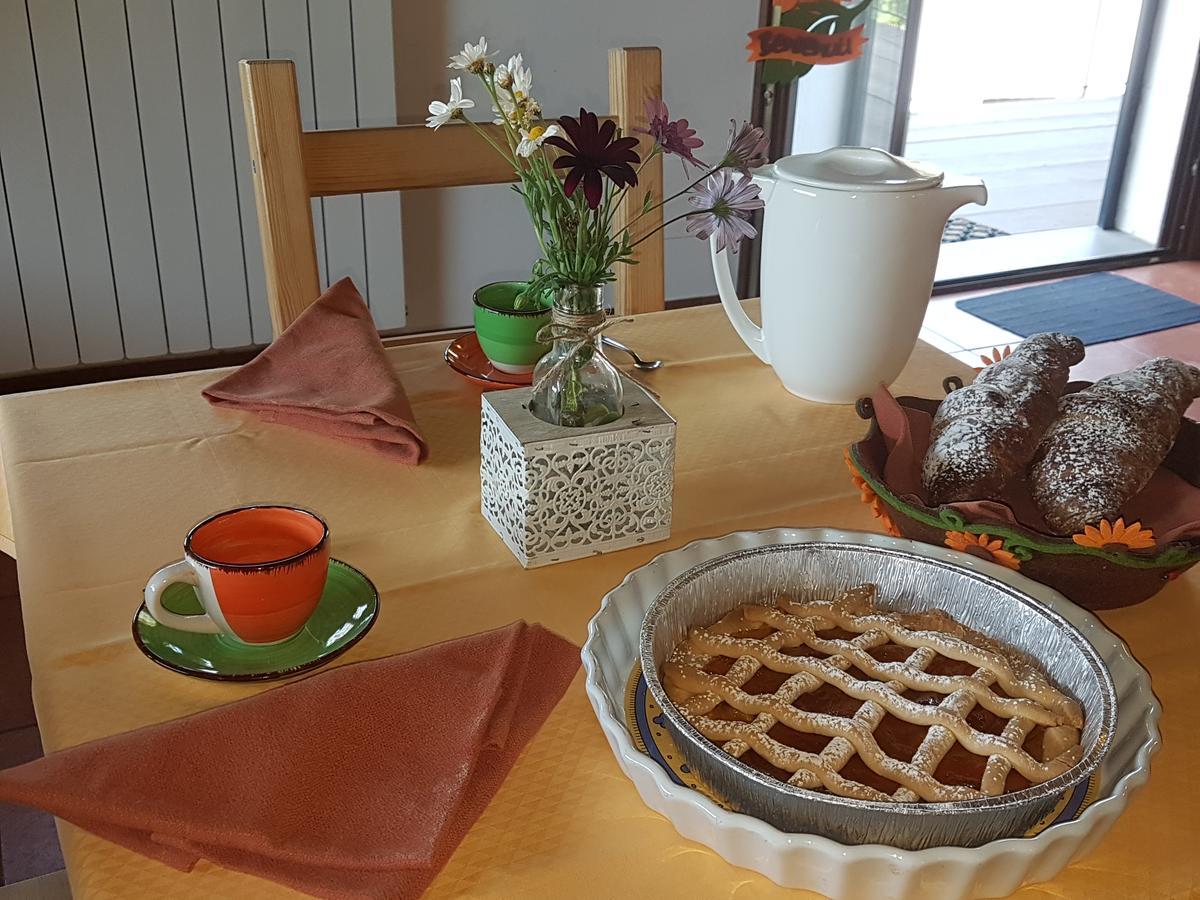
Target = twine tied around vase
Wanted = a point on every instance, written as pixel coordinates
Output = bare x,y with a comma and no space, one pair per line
578,329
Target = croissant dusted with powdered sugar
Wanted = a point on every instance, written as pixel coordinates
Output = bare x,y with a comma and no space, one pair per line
1108,440
985,434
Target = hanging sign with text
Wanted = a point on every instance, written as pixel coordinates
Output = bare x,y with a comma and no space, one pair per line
806,33
799,45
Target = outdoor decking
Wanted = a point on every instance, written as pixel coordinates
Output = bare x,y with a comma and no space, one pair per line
1044,161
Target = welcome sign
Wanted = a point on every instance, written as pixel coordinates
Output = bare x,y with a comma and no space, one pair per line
799,45
807,33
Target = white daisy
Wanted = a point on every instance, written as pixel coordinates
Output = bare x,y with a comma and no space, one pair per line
473,56
507,105
515,77
522,78
533,138
441,113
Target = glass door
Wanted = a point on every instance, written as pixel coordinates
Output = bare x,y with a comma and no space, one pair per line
1038,125
1041,101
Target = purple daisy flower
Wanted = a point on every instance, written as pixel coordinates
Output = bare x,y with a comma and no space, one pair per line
747,147
674,137
594,152
724,204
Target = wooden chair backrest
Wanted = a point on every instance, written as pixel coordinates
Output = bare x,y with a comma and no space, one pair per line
292,165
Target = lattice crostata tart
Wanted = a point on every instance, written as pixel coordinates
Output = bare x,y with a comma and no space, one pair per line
841,697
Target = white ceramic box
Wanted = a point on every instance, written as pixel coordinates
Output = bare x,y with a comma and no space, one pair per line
555,493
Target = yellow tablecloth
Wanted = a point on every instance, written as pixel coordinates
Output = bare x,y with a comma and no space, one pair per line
103,481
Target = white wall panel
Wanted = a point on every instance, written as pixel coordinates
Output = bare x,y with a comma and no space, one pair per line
288,38
58,53
335,106
206,117
128,228
376,94
168,173
29,188
244,36
15,352
122,167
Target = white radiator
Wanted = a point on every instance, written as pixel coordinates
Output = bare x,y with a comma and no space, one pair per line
128,227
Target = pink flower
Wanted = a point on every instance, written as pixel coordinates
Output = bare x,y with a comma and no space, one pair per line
724,205
747,147
673,137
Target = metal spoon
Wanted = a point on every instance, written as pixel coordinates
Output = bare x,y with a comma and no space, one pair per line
646,365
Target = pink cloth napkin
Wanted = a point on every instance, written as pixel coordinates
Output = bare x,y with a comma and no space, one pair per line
359,782
328,373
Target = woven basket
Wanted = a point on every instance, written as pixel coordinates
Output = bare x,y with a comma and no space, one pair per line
1093,577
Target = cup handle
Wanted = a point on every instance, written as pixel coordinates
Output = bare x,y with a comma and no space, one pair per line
179,571
742,323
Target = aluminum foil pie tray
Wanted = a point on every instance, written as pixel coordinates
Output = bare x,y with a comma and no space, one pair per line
645,720
843,869
906,583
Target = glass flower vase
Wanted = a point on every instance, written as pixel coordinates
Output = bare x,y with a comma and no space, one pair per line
574,385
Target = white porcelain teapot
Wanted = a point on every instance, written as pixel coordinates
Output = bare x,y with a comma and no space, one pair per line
849,247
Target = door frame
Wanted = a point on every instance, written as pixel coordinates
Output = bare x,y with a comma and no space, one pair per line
1131,103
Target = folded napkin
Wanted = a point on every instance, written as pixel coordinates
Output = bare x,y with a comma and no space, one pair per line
328,373
358,783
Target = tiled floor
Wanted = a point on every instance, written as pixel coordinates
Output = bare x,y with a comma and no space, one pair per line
28,843
28,838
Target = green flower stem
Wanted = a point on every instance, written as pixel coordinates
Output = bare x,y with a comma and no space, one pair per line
620,195
547,177
713,171
489,82
483,134
694,212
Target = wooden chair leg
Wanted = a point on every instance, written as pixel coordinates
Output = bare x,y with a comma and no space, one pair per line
285,223
634,76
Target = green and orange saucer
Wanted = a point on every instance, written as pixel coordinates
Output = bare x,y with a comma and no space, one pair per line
466,357
345,613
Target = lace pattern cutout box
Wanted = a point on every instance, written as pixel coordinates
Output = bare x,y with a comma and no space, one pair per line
554,493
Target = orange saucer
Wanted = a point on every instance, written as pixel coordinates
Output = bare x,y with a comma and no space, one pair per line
466,357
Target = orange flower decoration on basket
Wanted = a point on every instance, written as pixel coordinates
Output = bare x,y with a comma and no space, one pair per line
864,489
1116,537
996,356
884,519
982,546
868,496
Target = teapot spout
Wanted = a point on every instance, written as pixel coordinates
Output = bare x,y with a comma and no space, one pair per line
957,192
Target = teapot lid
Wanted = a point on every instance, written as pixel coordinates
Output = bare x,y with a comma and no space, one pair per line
858,169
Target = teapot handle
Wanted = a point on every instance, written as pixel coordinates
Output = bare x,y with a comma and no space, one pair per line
742,323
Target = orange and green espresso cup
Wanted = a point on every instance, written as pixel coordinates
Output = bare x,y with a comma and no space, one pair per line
259,572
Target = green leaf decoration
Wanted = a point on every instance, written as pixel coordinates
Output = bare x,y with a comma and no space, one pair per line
1174,555
778,71
952,519
1020,551
832,18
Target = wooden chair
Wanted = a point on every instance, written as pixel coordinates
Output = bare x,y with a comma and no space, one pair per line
292,165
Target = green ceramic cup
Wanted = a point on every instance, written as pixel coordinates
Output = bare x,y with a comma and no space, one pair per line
508,336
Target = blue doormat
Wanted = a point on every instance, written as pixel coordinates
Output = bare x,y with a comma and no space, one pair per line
1094,308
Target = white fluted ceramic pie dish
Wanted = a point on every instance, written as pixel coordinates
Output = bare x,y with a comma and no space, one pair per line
866,871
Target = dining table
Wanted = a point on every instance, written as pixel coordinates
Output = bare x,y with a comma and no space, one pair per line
101,482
